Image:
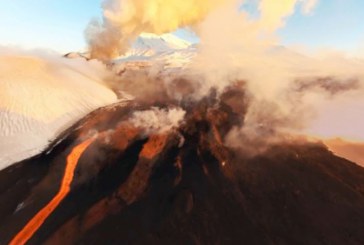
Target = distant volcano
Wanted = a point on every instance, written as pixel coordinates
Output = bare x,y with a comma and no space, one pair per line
107,181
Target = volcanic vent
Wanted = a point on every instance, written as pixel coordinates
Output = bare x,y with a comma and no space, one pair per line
108,180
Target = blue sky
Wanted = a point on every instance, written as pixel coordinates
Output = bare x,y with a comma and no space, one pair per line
59,24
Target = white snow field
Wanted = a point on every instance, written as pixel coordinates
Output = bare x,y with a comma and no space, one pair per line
40,97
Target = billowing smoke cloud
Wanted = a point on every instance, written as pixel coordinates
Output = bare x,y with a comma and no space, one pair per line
284,86
124,20
246,46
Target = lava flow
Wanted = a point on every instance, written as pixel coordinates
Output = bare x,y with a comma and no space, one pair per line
33,225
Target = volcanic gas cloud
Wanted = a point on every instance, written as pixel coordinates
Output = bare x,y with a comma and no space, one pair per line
289,92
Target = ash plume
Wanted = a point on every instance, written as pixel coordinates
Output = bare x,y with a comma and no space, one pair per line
124,21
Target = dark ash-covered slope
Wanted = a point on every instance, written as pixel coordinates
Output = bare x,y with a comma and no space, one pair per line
183,186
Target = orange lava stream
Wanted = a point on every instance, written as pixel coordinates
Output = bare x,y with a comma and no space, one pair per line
33,225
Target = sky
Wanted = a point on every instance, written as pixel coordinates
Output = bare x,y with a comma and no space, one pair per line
60,25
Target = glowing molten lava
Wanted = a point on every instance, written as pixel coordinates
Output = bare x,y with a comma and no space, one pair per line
33,225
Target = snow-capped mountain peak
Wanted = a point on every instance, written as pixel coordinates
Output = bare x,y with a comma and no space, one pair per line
148,44
148,49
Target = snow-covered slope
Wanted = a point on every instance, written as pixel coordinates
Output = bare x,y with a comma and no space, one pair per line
167,51
41,97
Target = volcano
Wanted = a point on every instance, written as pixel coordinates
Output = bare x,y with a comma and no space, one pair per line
106,180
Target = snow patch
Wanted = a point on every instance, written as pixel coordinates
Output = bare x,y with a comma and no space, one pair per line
40,97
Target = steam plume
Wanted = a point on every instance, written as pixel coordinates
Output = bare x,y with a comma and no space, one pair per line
158,120
293,86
